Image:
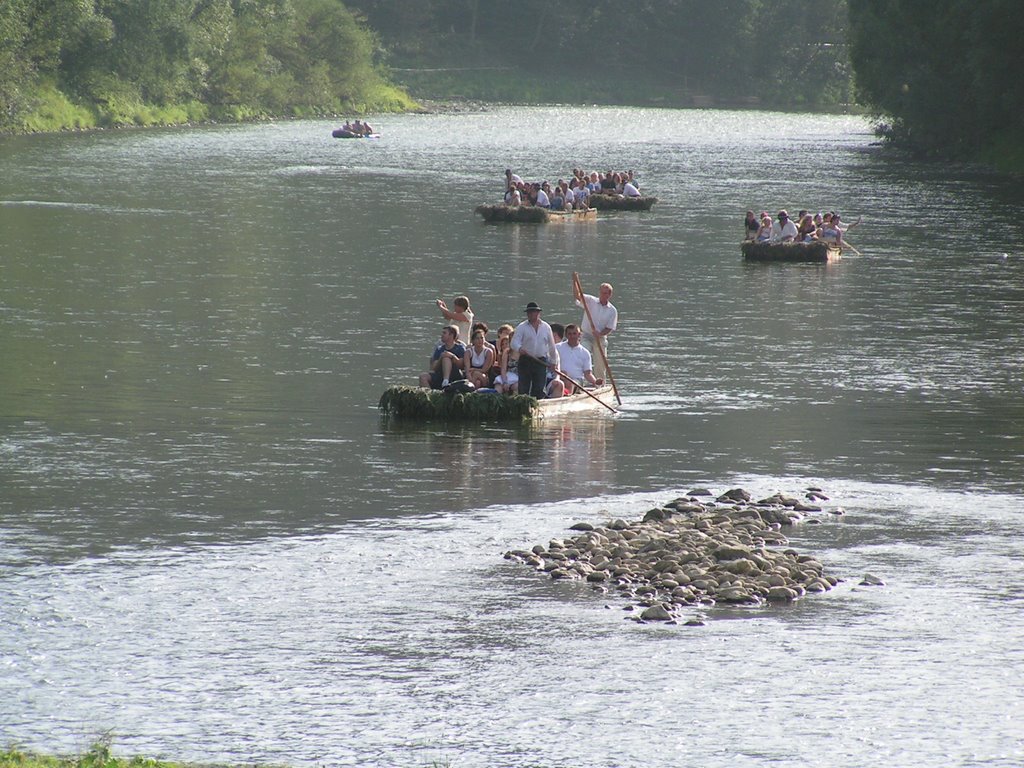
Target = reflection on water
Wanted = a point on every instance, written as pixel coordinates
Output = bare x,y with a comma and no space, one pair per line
474,466
213,545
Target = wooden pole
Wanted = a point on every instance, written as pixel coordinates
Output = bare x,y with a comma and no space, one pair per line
578,290
580,388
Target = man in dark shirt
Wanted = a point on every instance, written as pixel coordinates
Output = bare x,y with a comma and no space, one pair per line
446,362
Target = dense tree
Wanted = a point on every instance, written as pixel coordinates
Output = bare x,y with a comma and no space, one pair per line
945,75
124,59
783,52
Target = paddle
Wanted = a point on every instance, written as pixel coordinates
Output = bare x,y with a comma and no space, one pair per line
578,290
567,377
847,244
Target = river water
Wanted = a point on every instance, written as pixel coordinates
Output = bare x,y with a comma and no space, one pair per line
213,548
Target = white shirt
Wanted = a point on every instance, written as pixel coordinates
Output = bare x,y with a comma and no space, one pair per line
778,233
575,361
464,327
630,191
542,199
605,315
536,342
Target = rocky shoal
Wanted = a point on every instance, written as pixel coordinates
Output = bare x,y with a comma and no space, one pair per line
693,551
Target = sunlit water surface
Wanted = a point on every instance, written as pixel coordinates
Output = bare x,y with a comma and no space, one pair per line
213,547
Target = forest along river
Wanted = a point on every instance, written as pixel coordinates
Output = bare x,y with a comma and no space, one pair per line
213,547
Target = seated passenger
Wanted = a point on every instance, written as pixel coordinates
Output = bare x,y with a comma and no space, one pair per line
831,232
512,196
807,232
556,198
554,386
576,361
543,201
478,360
783,230
581,197
447,361
751,225
629,189
479,325
504,332
764,232
507,379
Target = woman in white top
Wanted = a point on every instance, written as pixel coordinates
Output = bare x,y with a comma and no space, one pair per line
508,379
478,361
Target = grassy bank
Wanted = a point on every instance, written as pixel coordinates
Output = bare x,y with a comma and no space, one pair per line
53,110
100,756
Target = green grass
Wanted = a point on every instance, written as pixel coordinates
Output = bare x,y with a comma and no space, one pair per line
100,755
53,111
118,105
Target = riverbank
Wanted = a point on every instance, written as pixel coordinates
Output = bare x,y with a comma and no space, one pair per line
101,756
515,85
55,111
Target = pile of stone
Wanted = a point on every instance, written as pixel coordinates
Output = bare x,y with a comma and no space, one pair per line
692,552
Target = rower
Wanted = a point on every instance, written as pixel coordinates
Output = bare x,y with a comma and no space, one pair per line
606,319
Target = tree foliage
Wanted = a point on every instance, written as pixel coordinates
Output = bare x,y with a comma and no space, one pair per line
945,74
123,56
775,52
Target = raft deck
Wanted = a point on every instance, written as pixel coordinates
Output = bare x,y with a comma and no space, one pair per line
532,214
621,202
818,252
420,404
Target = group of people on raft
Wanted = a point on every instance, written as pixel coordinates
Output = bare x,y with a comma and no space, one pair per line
808,228
353,130
573,194
533,358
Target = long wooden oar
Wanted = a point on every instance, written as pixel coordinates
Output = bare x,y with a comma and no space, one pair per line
849,245
580,388
578,290
567,377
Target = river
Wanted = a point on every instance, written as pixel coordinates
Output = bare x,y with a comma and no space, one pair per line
213,548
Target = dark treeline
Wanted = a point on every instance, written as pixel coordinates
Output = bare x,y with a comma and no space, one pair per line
785,53
947,75
94,62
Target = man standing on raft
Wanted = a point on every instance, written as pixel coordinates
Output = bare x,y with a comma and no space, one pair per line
606,318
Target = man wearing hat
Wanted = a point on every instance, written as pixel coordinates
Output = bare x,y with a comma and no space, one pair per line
534,344
783,230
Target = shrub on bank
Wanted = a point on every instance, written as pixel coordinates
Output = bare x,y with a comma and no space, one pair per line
53,111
